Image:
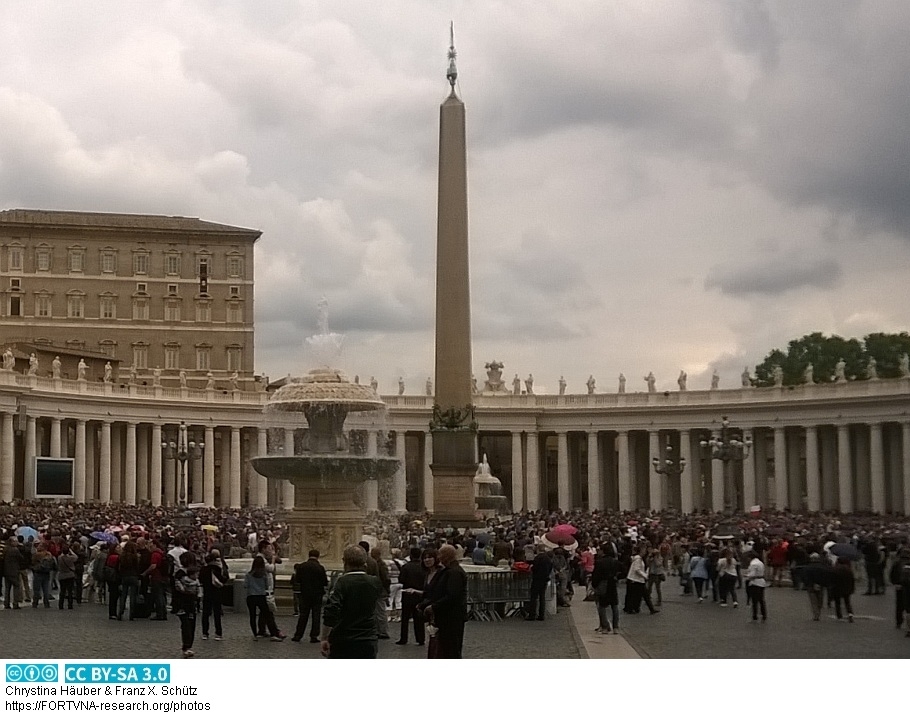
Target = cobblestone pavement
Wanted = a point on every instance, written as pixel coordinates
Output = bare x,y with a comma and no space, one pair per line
86,632
687,629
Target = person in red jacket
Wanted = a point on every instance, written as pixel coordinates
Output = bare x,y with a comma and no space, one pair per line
777,558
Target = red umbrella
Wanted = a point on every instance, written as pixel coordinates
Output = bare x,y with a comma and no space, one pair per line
565,529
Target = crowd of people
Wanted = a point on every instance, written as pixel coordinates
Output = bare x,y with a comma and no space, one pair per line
148,562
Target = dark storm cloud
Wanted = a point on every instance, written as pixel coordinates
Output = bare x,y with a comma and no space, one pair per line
772,277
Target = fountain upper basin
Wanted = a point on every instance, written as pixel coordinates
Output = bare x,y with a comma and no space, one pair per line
325,470
324,388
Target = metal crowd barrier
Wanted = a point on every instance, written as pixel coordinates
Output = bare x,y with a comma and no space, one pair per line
493,596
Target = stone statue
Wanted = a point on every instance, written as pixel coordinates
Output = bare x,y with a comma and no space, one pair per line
56,367
715,381
356,378
562,386
591,384
872,369
108,373
82,369
746,378
210,381
494,383
516,386
429,386
234,379
156,376
809,374
133,374
777,373
529,384
839,369
903,365
474,389
400,385
374,384
182,378
9,361
681,381
622,383
650,381
33,365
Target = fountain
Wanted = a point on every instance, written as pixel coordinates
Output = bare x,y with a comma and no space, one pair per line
327,476
488,491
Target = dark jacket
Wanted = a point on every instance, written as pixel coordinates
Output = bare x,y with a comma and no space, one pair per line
448,595
817,574
843,583
12,563
412,575
606,570
541,568
210,572
311,578
351,606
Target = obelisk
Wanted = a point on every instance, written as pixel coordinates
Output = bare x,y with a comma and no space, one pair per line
454,429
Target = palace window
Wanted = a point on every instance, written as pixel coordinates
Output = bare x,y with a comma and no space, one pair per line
172,310
234,312
43,259
140,263
107,347
108,261
140,355
108,307
234,358
140,308
43,305
15,259
172,264
203,266
203,357
75,306
76,259
203,311
235,266
171,356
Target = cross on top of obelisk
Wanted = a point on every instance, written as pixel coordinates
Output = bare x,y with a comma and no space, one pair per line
452,71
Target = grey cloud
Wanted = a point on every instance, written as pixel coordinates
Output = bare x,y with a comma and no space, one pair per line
777,275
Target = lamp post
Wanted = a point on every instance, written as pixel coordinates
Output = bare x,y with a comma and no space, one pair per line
181,452
728,448
669,466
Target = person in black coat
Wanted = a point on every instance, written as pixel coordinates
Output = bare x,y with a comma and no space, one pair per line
446,605
313,581
541,571
607,571
842,587
818,577
411,577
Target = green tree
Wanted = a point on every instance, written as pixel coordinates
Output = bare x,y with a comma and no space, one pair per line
887,350
822,352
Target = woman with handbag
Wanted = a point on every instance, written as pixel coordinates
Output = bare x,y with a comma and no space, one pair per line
604,581
431,581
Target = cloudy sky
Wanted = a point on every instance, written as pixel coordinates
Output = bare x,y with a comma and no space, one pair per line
653,186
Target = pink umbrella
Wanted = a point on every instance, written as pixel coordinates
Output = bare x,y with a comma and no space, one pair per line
566,529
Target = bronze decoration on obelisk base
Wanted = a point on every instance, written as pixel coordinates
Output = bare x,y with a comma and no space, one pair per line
453,427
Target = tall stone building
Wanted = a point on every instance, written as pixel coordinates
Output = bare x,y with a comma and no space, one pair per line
151,291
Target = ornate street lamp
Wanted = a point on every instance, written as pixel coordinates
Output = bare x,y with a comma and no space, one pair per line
181,452
669,466
728,448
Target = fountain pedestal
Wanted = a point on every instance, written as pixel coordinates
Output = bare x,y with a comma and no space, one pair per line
325,519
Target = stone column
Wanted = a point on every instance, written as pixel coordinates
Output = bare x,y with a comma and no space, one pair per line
371,487
685,479
155,475
142,462
56,437
563,485
717,485
224,491
813,475
595,476
79,463
877,467
781,484
91,469
749,472
129,471
116,463
653,476
31,451
262,483
208,467
7,458
235,467
400,479
844,471
196,467
625,474
104,471
287,489
533,475
905,464
428,472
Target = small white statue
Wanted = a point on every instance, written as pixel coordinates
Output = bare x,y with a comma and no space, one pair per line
872,369
562,386
591,384
33,365
681,380
839,370
903,365
516,386
134,375
374,384
108,373
210,381
715,381
9,361
622,383
746,378
156,376
81,369
234,378
356,378
57,367
529,384
650,381
474,389
809,374
777,374
400,385
182,377
429,388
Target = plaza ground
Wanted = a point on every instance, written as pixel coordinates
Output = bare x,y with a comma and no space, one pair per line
684,629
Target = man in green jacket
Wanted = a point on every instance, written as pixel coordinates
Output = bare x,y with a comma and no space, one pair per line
348,622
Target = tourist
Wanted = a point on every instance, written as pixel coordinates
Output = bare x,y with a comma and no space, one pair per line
257,588
541,573
636,584
12,565
698,568
128,569
777,558
349,621
755,586
726,572
382,606
111,576
817,577
446,606
42,566
186,598
606,592
313,581
79,569
842,588
684,568
25,591
157,574
66,575
412,576
657,574
213,577
896,577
